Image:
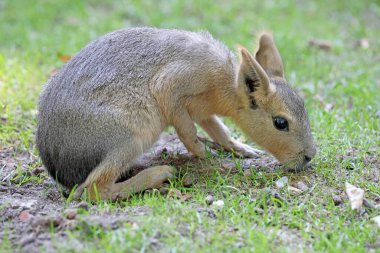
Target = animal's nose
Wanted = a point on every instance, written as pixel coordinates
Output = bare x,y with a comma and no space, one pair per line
307,158
310,152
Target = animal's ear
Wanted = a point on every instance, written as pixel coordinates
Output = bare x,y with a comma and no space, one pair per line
253,75
269,57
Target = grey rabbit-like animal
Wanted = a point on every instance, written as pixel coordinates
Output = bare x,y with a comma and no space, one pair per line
112,100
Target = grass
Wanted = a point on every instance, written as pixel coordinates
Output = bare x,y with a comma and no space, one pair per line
36,35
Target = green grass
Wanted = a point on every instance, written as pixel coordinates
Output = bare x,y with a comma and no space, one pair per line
34,34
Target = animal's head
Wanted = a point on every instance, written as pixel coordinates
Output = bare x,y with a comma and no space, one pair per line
271,113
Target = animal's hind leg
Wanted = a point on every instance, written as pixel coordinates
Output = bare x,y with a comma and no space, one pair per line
149,178
99,181
104,186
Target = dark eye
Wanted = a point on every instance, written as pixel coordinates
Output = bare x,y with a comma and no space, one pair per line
281,124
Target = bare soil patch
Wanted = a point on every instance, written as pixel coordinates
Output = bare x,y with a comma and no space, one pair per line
29,210
35,214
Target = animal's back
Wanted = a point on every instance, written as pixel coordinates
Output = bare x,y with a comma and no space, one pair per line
104,94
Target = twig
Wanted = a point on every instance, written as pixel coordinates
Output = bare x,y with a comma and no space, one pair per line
369,204
232,187
211,144
375,194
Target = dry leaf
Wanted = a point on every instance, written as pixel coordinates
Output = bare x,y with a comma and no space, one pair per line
64,57
320,44
174,193
186,197
355,195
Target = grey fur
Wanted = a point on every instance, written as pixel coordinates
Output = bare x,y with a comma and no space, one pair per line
112,100
84,108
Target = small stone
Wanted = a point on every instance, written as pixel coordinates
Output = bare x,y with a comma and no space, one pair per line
258,210
247,173
228,165
294,191
16,180
17,195
355,196
218,203
276,195
25,216
376,219
83,205
53,195
47,221
24,204
337,199
329,107
163,190
70,224
70,214
187,181
39,221
135,226
47,184
362,43
186,197
166,185
38,170
29,204
209,199
3,188
27,240
56,221
377,114
175,193
282,182
302,186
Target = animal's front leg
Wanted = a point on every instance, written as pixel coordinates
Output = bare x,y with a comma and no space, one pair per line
221,135
187,133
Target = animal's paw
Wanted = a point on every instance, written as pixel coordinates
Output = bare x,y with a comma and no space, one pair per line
160,174
245,151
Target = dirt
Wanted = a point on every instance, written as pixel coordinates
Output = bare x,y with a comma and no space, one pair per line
28,210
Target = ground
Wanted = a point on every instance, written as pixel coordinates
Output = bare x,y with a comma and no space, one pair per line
222,203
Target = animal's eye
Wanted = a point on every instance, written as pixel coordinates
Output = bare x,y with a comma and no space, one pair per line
281,124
